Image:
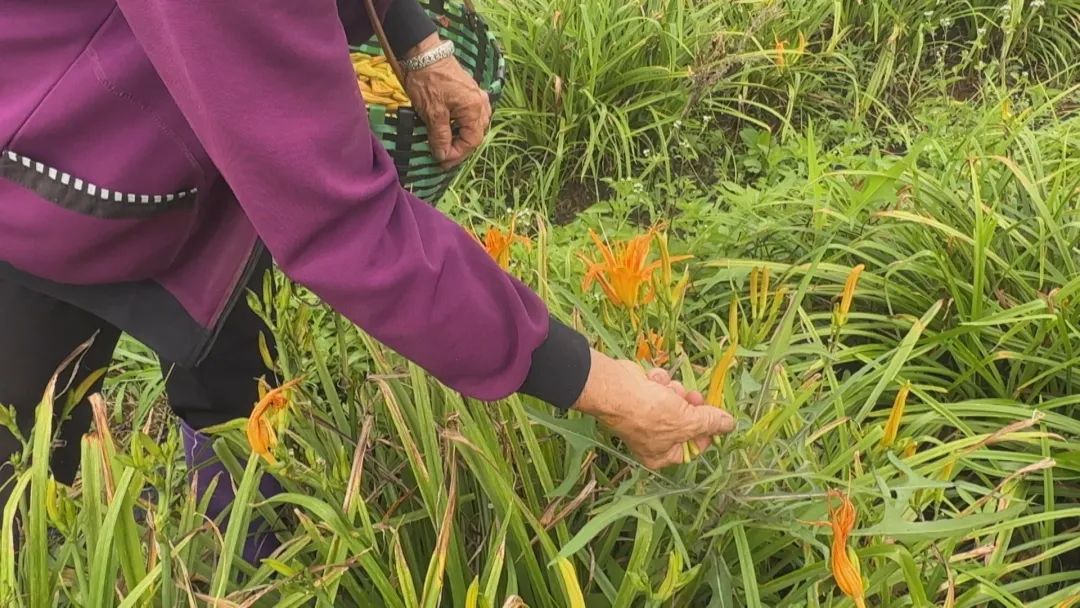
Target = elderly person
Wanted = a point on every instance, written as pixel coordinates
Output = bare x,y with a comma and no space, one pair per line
155,155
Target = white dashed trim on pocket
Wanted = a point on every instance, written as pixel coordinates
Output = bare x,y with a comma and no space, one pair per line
83,196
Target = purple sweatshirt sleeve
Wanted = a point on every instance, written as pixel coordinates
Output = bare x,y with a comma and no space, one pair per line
268,88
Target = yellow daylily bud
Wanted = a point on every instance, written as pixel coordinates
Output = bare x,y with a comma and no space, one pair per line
848,294
717,381
892,426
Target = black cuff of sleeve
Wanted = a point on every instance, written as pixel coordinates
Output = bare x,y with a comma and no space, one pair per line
560,366
406,24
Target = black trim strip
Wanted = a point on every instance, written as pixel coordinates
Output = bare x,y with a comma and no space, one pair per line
82,196
259,262
560,367
403,139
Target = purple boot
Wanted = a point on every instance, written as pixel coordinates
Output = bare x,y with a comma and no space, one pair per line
204,466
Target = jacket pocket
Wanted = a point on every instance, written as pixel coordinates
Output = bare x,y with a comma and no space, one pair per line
107,139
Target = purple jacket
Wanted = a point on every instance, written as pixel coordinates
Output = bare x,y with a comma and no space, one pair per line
148,148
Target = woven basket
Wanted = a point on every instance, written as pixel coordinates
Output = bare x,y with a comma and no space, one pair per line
403,133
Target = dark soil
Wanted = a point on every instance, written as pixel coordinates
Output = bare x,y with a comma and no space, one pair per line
577,196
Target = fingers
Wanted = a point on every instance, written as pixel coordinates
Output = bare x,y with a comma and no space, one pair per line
439,134
693,426
671,424
707,421
470,136
671,457
662,377
659,376
472,120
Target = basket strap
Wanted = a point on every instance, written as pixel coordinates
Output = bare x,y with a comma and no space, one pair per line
376,25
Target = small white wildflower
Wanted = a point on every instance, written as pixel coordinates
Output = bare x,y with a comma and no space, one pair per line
928,14
946,22
981,32
646,152
708,118
1038,3
678,124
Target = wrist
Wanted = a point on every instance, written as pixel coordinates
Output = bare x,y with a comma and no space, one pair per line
595,396
441,53
423,46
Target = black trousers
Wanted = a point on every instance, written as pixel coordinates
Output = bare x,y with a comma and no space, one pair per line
37,333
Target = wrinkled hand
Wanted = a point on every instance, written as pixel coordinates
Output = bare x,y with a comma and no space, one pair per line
653,414
444,94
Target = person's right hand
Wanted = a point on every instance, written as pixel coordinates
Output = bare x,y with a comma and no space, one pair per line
652,414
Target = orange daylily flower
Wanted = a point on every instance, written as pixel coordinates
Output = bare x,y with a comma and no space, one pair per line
497,243
260,431
650,349
623,271
780,50
844,565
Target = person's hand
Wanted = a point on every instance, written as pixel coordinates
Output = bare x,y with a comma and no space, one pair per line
653,414
444,94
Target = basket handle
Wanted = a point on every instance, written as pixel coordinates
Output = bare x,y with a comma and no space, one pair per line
376,25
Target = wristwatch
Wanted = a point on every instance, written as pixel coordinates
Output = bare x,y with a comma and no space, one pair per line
443,50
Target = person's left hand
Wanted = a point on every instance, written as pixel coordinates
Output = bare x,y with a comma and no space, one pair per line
444,93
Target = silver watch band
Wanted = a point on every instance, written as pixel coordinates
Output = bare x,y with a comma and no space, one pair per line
444,50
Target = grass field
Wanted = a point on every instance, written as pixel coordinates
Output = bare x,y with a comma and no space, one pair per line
882,205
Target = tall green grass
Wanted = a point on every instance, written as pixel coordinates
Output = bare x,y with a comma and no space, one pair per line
602,90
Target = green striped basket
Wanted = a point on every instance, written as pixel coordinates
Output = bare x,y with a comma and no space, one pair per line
403,132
